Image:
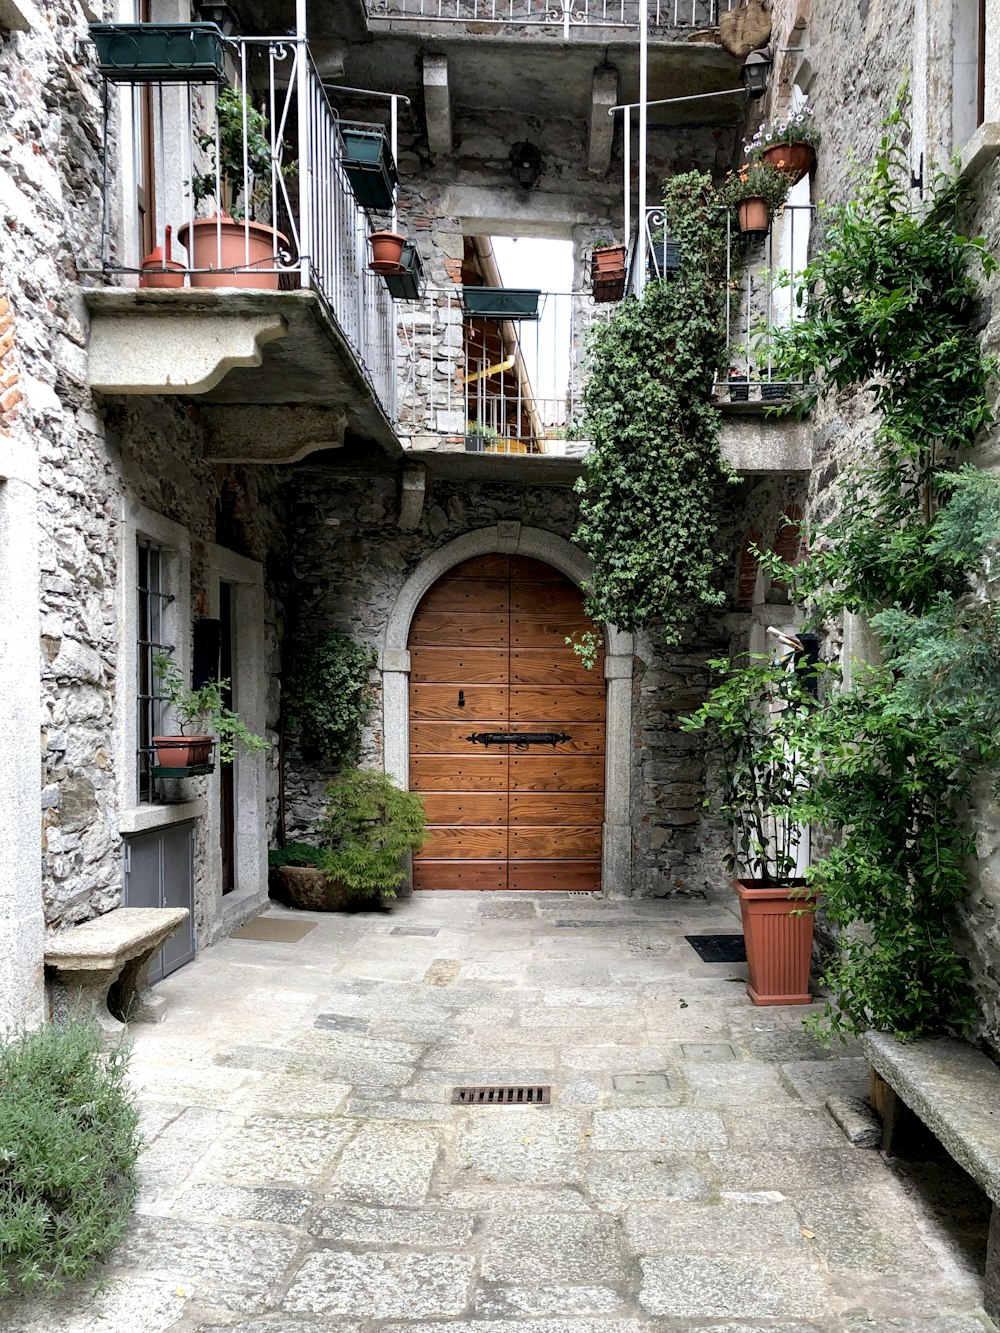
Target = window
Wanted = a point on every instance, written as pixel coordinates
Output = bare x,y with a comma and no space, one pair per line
153,600
968,98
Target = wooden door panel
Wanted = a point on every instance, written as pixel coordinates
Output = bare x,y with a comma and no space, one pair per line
482,567
552,666
563,876
555,773
557,703
462,807
481,703
464,666
546,631
483,875
468,630
545,599
464,844
478,772
572,808
461,595
584,737
523,569
528,843
450,738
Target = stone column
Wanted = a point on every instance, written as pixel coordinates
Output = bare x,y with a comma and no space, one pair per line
616,870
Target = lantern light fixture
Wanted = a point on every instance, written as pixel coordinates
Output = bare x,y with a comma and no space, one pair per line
755,72
526,162
220,14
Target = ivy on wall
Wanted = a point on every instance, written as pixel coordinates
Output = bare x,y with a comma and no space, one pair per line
654,483
328,696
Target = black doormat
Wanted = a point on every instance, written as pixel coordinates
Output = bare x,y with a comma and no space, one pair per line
718,948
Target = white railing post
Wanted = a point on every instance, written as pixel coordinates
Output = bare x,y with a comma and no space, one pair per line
301,72
643,126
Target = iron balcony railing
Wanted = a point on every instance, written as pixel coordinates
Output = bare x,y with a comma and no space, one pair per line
494,385
282,166
663,15
761,276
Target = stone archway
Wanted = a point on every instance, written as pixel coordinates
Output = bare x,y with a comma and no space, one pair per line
511,538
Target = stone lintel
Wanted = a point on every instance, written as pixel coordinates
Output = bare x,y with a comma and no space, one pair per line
758,444
603,96
437,105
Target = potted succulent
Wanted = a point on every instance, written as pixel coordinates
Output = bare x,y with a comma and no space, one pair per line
789,144
185,751
367,827
754,193
751,719
479,437
232,248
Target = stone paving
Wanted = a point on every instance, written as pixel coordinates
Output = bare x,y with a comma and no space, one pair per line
305,1170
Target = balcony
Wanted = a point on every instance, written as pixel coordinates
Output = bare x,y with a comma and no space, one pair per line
668,18
279,309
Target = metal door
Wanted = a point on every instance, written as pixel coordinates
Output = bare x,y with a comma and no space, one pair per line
159,872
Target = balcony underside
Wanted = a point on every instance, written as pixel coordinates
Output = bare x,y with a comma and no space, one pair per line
754,444
238,348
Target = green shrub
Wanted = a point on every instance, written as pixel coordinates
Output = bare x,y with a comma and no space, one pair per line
295,854
368,826
327,695
68,1150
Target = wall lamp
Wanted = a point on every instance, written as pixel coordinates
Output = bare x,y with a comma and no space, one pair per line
526,162
219,14
755,72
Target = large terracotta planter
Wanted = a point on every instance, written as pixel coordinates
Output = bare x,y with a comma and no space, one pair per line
754,217
311,890
794,159
778,930
220,243
182,751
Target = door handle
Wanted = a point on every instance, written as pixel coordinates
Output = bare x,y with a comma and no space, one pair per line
519,739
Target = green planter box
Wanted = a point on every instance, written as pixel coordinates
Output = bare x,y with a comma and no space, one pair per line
369,166
499,303
409,285
159,52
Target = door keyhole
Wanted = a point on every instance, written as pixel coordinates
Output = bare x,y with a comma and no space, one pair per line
461,698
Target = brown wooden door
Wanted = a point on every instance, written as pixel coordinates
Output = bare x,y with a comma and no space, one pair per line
489,654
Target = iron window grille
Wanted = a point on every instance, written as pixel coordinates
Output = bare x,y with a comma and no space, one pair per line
151,705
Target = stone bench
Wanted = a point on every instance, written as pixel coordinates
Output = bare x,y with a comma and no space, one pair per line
955,1091
101,966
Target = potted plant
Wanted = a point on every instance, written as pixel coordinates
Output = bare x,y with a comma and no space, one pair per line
408,284
183,752
230,246
608,270
367,827
754,193
789,144
664,256
367,161
479,437
160,52
739,385
751,719
296,873
387,251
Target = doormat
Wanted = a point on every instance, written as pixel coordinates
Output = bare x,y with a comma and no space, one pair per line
718,948
273,928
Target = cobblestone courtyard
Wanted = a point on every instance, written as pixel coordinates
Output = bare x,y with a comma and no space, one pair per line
305,1170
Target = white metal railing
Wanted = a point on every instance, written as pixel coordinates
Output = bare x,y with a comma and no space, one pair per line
495,386
286,170
760,277
566,14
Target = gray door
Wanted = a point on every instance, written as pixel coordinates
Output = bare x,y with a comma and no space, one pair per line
159,872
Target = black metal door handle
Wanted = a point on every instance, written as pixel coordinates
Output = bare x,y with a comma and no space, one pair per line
519,739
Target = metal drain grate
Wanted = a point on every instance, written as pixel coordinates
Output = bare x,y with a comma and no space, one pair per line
526,1094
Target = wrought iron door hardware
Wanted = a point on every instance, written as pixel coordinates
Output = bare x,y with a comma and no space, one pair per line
519,739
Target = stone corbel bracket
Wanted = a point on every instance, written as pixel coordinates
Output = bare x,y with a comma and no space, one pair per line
155,349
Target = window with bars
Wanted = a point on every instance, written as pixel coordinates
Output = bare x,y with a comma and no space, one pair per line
152,639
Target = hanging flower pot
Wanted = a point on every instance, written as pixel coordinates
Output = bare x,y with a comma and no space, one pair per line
754,217
796,160
387,251
608,261
183,752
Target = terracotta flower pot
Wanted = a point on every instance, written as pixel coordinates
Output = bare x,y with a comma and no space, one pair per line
160,272
754,217
609,261
182,751
794,159
220,242
387,252
778,930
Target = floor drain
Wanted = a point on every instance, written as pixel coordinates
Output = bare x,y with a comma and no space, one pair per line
519,1095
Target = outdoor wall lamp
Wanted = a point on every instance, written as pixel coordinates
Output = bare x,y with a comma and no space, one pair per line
755,71
526,162
219,14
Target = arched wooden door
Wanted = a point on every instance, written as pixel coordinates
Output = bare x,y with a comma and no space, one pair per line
489,661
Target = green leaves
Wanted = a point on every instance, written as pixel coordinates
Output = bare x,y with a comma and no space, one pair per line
328,695
368,825
653,486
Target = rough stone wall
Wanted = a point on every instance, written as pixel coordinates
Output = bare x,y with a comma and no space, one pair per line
90,455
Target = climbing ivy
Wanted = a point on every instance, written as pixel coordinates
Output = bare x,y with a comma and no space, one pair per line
327,695
892,304
653,486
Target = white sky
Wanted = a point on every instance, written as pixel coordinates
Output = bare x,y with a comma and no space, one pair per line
528,261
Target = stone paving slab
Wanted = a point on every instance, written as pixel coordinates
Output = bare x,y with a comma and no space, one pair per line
307,1172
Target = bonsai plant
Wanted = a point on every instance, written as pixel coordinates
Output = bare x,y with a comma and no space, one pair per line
754,193
751,719
231,238
205,705
789,144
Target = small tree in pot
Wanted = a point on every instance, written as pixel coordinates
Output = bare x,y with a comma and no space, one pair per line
205,707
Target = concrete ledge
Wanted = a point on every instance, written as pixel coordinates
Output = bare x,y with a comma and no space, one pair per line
142,818
100,967
981,149
756,444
